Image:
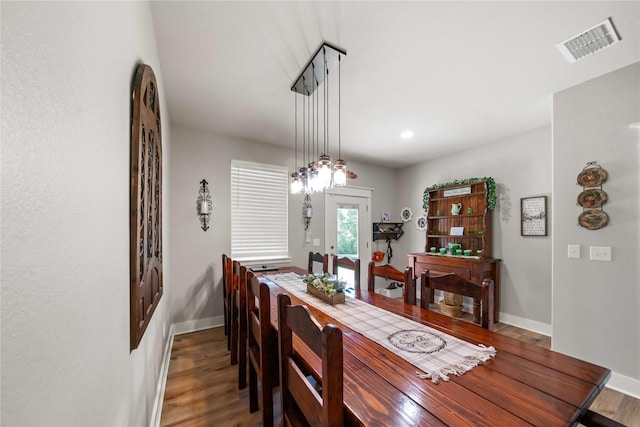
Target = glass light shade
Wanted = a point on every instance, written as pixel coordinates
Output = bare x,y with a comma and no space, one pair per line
324,171
313,179
340,172
296,185
304,183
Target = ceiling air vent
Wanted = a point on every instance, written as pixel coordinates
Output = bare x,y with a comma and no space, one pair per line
590,41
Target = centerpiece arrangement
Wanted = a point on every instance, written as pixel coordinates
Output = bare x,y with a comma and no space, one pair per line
325,286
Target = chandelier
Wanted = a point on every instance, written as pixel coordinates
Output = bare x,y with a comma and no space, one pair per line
317,172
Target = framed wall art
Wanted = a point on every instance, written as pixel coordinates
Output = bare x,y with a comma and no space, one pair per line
533,216
145,216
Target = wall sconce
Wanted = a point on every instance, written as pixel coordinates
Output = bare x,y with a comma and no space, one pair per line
204,205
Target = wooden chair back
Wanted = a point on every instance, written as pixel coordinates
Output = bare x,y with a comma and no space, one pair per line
224,293
233,312
350,264
228,267
389,272
302,402
262,348
320,258
482,294
239,325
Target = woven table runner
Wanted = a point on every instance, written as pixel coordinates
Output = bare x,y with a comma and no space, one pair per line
435,353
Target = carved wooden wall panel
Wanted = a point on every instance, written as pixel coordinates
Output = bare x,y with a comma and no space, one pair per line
146,203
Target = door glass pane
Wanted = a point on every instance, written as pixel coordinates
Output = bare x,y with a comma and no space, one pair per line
347,228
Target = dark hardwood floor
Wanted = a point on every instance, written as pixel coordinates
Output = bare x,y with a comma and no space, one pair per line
202,387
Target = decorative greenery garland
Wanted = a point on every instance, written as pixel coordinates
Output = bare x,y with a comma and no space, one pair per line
491,186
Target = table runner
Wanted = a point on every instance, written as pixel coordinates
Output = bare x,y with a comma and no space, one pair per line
437,354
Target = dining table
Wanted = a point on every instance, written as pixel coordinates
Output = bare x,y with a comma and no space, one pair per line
520,385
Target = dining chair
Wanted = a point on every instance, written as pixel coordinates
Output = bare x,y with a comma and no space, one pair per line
233,313
305,399
224,292
482,294
262,348
349,264
228,271
239,324
319,258
389,272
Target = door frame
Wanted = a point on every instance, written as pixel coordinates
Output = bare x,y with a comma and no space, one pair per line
364,229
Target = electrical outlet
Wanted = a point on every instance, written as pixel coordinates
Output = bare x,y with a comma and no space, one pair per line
316,242
600,253
574,251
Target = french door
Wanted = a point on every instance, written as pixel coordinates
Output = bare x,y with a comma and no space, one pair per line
348,227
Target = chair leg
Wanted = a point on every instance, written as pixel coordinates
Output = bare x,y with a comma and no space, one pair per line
226,326
234,335
242,359
253,389
228,314
267,399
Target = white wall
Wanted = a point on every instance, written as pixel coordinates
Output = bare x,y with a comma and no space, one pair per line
67,72
196,266
595,303
521,167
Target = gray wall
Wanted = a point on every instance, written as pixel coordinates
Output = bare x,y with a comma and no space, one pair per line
521,167
595,303
67,70
196,266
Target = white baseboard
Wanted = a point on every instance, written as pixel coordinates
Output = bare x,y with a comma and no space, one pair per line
197,325
623,384
156,414
528,324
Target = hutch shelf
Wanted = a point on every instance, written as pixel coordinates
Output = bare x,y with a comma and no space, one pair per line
459,215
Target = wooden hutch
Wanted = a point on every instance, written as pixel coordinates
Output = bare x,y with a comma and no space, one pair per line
471,228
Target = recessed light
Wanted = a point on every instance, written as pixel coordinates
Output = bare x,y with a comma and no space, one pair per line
406,134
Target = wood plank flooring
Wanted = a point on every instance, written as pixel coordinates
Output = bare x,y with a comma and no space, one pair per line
202,387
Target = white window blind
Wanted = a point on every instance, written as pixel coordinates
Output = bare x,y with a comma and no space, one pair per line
259,211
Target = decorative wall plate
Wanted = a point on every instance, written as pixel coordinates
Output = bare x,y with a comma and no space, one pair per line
592,198
593,219
592,177
421,223
406,214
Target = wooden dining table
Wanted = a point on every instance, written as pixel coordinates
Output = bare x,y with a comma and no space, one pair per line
522,385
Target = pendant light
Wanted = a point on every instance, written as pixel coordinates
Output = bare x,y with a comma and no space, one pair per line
340,166
317,172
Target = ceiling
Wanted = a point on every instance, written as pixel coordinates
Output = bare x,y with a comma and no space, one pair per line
458,74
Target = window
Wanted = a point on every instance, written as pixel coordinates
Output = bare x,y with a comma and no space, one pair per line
259,211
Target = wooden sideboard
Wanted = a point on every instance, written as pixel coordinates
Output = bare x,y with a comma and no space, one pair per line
475,269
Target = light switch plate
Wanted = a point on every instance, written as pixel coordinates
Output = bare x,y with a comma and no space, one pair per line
316,242
600,253
574,251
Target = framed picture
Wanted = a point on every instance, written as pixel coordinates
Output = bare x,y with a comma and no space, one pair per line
385,217
533,216
456,231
